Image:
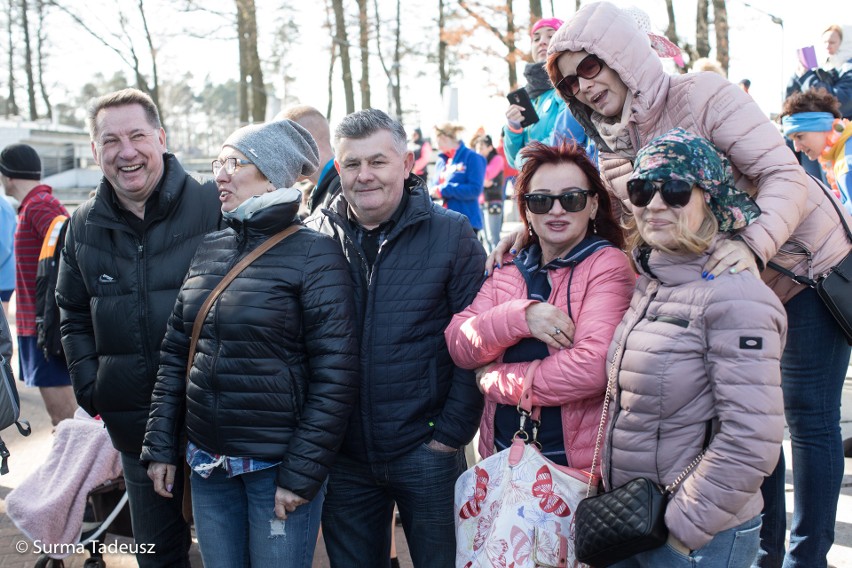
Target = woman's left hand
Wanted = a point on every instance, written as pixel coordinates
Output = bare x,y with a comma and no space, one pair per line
480,375
286,502
732,256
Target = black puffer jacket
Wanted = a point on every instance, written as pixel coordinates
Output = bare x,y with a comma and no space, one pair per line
429,268
275,372
115,292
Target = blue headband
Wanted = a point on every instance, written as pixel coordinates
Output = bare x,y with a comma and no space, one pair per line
807,122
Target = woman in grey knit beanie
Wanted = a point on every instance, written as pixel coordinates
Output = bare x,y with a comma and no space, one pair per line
273,380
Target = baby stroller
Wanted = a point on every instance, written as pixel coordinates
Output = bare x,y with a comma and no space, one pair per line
74,498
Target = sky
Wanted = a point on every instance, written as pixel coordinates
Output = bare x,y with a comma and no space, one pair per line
760,49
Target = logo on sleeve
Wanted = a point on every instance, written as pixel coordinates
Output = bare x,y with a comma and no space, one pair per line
751,343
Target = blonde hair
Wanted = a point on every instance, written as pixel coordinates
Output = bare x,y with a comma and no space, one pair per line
695,242
706,64
451,129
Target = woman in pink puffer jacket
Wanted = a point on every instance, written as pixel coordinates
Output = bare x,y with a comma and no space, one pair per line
695,362
615,86
547,319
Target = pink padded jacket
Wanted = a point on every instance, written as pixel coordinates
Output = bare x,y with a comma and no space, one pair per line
796,217
572,378
695,352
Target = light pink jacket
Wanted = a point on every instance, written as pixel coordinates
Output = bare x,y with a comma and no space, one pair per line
695,352
796,214
572,378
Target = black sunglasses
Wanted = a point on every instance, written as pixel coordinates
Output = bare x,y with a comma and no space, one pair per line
588,68
571,202
676,193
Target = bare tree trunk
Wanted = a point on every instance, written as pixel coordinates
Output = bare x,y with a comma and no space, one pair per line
332,59
397,64
392,73
11,104
40,58
720,22
576,5
702,39
510,44
343,45
28,60
154,91
671,30
364,44
256,93
244,65
442,48
535,10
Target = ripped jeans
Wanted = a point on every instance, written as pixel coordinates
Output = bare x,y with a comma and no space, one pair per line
236,524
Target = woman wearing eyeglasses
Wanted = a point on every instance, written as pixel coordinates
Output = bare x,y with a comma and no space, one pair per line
273,378
615,86
548,317
696,361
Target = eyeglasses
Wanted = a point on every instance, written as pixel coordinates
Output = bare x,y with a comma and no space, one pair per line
230,165
675,192
589,68
571,202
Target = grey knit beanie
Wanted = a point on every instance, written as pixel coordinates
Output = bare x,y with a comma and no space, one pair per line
281,150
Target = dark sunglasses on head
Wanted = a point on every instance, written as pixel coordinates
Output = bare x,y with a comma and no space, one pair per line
571,201
589,68
675,193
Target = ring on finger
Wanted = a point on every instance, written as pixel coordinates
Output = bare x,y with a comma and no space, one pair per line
556,331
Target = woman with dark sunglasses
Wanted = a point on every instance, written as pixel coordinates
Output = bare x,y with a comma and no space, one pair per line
623,98
547,319
695,362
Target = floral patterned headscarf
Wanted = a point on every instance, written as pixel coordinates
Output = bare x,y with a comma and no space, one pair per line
681,155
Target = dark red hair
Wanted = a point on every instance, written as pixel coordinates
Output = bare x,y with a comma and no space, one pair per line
537,154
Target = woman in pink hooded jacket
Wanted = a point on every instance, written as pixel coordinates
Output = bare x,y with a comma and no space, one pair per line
603,65
548,318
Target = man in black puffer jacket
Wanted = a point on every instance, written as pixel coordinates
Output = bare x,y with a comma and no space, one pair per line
413,265
126,253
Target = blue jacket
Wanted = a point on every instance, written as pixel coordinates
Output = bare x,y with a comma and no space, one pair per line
463,180
8,222
548,106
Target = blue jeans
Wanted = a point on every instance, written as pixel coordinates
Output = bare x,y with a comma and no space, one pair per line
156,520
492,222
356,521
732,548
813,368
236,524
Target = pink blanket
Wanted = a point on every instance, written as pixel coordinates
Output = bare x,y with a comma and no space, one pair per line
48,505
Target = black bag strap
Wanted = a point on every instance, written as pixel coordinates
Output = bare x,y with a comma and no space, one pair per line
810,282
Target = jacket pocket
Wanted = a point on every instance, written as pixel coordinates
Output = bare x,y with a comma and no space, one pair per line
680,322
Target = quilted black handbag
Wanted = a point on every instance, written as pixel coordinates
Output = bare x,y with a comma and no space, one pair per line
630,519
834,287
616,525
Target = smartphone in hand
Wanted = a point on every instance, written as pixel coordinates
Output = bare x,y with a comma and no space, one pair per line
522,99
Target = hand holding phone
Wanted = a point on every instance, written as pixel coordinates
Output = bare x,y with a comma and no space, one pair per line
522,99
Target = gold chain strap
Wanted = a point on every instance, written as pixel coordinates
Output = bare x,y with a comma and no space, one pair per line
610,388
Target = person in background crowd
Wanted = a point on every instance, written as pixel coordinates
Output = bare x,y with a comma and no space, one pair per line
616,87
8,224
811,120
325,179
492,189
835,76
549,317
459,174
413,265
697,361
745,85
422,149
274,377
555,123
20,173
126,253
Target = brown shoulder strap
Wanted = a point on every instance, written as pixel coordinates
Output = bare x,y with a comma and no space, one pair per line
226,281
